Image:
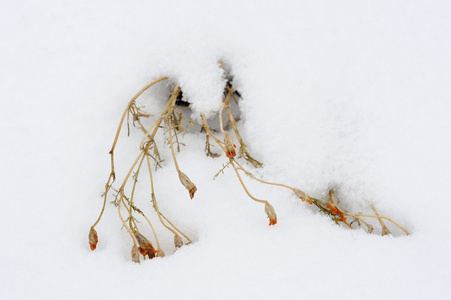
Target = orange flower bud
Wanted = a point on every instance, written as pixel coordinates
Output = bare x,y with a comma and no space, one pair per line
188,184
343,218
145,247
303,196
269,209
229,145
135,254
93,239
178,241
333,209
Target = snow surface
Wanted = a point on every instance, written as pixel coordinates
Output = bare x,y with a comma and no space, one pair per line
349,94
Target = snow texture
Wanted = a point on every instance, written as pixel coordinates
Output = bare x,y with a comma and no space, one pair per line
347,94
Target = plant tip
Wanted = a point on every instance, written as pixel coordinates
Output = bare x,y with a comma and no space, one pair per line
303,196
93,239
135,254
178,241
269,209
145,247
229,145
188,184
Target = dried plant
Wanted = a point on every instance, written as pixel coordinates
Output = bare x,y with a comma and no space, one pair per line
174,125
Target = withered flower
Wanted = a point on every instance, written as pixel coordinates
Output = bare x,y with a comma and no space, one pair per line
269,210
188,184
93,239
303,196
178,241
145,247
229,145
135,254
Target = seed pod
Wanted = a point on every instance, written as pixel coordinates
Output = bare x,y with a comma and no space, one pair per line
188,184
269,210
145,247
160,253
93,239
303,196
135,254
229,145
178,241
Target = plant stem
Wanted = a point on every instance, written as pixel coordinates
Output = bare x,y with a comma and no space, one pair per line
242,184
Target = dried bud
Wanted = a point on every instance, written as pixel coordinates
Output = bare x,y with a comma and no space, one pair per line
385,231
160,253
303,196
93,239
145,247
178,241
187,183
229,145
269,210
135,254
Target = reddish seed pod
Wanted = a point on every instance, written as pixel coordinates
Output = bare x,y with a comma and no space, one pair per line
93,239
229,146
188,184
178,241
269,209
145,247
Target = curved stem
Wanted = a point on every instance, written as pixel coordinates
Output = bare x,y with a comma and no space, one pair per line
123,117
262,181
242,184
107,188
189,240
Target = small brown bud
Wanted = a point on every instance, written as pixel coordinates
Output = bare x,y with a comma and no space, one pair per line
188,184
229,145
160,253
303,196
269,210
93,239
145,247
135,254
178,241
385,231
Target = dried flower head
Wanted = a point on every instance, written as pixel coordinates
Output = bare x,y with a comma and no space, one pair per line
269,210
93,239
145,247
178,241
229,145
188,184
303,196
135,254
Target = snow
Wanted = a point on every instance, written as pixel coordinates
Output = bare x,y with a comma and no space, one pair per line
352,95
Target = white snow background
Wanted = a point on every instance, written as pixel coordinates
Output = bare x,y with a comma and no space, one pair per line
349,94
